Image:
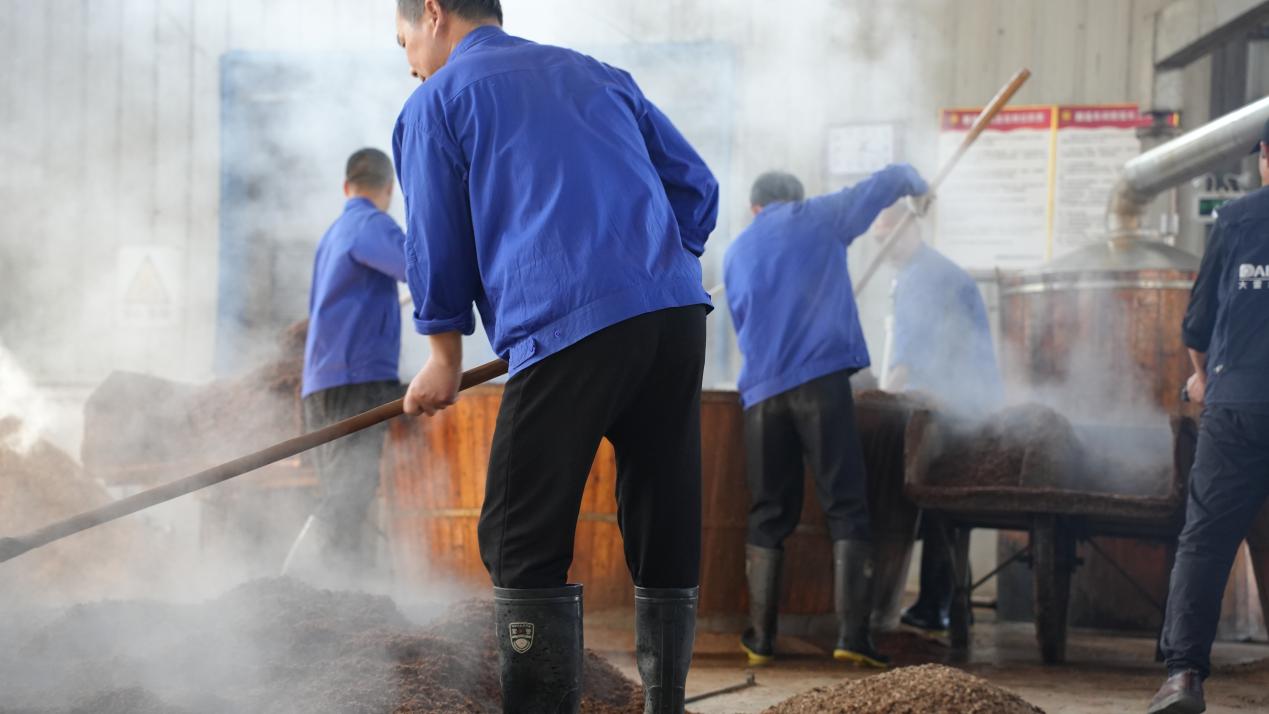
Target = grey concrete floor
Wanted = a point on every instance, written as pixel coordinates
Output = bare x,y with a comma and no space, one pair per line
1105,673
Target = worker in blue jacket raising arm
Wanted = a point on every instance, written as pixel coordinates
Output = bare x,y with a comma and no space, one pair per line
542,187
798,328
1226,329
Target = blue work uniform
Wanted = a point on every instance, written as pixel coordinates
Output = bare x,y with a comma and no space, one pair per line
789,290
1228,319
354,329
542,186
942,336
794,312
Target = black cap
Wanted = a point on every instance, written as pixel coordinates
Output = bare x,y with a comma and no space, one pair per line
1264,138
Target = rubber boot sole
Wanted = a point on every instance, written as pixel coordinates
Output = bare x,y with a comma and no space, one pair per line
859,660
755,659
1179,703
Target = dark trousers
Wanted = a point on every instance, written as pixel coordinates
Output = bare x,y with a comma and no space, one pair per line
638,383
348,469
1228,485
810,426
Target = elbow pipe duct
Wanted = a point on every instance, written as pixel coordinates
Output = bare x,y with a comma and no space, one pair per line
1225,139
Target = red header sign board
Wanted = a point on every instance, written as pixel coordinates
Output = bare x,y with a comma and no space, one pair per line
1035,184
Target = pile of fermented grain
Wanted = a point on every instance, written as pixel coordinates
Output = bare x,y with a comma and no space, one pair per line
273,645
39,484
928,689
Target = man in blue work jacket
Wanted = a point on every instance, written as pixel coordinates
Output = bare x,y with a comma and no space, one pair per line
352,348
798,329
544,188
1226,329
945,354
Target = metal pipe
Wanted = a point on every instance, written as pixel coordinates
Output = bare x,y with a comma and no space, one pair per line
1185,157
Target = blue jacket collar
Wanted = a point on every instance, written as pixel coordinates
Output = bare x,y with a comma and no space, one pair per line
475,38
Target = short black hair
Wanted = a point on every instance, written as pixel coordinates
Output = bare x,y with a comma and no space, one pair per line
412,10
369,168
776,187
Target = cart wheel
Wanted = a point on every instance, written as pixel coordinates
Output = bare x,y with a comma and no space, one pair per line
1052,553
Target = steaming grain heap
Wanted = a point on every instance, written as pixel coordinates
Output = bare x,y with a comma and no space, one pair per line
1035,447
139,428
38,484
928,689
1024,445
271,645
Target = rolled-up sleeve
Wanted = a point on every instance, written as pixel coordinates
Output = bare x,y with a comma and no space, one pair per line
852,210
440,249
689,184
381,247
1200,316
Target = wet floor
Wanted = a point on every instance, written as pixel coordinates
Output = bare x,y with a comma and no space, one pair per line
1105,673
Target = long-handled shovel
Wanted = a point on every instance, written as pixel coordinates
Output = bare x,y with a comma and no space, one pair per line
980,124
11,548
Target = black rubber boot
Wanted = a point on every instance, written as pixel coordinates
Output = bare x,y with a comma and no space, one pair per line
762,568
930,611
539,649
665,628
852,598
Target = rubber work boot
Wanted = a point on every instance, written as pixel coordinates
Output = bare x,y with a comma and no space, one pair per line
665,628
539,649
1181,694
852,598
930,612
762,568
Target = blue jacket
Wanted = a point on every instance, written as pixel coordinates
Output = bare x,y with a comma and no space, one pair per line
354,328
942,335
1228,316
542,186
789,290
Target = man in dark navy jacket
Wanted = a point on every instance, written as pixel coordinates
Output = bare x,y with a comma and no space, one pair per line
1227,332
351,352
542,187
798,329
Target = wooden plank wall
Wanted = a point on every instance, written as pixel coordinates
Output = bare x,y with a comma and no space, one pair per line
109,127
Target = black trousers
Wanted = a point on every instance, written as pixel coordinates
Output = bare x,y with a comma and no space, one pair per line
1228,485
348,469
638,383
810,426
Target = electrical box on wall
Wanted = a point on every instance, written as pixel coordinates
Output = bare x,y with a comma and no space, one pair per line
862,149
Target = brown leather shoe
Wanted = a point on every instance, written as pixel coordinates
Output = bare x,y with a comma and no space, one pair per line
1181,694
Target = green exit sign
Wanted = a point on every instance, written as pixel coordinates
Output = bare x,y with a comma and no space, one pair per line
1209,204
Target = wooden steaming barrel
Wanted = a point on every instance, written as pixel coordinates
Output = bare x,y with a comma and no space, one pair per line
433,482
1100,328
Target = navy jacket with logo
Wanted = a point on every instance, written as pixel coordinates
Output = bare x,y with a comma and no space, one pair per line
1228,317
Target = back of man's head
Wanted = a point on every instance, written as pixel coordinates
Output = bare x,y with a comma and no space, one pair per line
369,170
776,187
474,10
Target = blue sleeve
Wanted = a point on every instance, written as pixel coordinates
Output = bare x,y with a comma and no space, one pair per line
689,184
851,211
1200,314
440,245
381,247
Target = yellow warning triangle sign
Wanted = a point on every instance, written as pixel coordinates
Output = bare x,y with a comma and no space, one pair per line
146,286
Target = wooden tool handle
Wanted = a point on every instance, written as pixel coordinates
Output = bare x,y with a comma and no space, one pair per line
993,108
13,547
